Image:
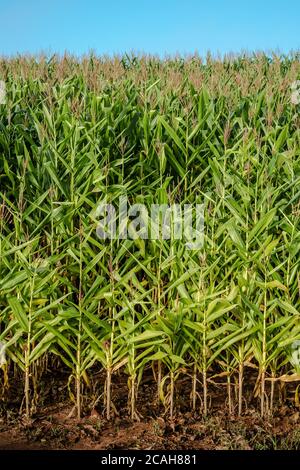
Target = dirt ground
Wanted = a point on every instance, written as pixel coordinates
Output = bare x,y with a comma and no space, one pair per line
53,425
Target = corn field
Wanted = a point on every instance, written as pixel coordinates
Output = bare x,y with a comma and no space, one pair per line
160,131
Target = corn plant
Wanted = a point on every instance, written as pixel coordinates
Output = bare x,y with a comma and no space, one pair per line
223,132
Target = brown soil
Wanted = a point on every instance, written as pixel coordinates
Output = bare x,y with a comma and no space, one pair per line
53,426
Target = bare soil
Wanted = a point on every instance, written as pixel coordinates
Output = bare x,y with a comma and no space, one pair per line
53,425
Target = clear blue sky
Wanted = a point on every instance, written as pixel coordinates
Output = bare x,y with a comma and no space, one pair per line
154,26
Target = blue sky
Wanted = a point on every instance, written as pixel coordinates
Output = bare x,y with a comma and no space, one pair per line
154,26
